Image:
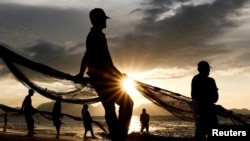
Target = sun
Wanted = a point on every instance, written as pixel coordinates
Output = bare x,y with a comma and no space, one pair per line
129,86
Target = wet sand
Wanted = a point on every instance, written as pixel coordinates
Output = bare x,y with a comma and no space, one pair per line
149,137
7,136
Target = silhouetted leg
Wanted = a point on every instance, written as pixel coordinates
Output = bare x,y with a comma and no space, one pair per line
27,121
58,130
212,122
92,133
30,124
125,113
147,127
4,128
201,127
111,120
109,93
198,131
85,133
141,128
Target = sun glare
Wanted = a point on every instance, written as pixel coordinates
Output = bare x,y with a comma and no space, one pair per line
129,86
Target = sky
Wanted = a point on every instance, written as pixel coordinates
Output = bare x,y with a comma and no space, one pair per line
158,42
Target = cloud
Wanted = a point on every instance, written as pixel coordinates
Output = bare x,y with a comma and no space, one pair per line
52,36
156,34
63,59
58,57
20,24
185,37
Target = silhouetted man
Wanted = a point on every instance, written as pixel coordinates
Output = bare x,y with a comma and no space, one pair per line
205,93
106,78
87,121
28,110
56,115
144,119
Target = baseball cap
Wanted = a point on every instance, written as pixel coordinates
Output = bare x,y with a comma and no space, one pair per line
97,13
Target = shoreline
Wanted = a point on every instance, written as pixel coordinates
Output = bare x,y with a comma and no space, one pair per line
11,136
14,136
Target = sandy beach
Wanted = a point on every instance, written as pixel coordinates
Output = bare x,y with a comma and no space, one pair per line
9,136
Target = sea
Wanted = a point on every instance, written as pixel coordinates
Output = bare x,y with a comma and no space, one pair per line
168,126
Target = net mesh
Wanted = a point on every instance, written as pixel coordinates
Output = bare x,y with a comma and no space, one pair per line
47,81
175,103
51,83
48,115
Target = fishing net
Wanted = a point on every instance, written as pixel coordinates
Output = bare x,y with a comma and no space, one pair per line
48,115
51,83
9,109
184,108
47,81
175,103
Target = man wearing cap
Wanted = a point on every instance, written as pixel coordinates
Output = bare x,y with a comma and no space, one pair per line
106,78
28,111
204,93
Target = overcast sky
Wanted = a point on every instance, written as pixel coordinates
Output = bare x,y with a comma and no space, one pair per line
158,42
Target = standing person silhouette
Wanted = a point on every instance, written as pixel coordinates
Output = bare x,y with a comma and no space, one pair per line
28,110
106,78
87,121
204,93
56,115
144,119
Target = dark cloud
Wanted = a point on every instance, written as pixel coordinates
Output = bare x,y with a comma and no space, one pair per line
56,37
64,59
56,56
51,36
182,39
21,24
